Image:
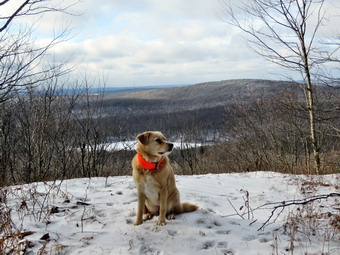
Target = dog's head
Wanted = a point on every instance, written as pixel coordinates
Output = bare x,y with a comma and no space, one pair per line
154,143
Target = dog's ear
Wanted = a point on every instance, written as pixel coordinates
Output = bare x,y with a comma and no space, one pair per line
144,137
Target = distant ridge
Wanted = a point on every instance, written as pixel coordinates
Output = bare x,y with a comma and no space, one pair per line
215,89
119,89
201,105
207,94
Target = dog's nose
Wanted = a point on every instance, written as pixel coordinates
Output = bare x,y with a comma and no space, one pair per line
171,145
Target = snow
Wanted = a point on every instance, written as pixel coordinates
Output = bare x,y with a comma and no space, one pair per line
117,146
95,216
130,145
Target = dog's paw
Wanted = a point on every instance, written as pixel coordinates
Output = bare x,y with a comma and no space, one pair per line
147,216
138,222
171,216
161,223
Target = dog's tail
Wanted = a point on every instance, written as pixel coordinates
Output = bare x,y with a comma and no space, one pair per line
187,207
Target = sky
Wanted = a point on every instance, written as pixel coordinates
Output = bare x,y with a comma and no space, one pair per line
154,42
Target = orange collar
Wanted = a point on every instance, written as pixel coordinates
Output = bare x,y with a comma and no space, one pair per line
155,166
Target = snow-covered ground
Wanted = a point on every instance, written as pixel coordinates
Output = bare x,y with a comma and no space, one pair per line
95,216
130,145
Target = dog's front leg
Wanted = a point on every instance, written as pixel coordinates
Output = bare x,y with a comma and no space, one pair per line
162,206
140,208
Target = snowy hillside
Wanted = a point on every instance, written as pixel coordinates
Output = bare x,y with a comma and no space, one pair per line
95,216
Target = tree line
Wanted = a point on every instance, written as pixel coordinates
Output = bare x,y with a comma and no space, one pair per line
47,134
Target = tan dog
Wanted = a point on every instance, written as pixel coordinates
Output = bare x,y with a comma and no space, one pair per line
155,180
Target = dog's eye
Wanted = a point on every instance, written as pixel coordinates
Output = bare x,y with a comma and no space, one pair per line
158,141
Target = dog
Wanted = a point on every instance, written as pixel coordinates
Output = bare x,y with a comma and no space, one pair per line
155,181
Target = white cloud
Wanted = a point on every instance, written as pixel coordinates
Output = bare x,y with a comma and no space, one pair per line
146,42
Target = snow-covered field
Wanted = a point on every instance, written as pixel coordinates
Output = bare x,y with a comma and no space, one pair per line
130,145
95,216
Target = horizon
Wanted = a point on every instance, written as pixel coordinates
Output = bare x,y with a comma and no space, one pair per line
192,84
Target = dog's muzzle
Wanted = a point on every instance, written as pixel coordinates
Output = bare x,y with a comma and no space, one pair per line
171,146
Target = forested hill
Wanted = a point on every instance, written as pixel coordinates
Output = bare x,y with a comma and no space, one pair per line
204,104
208,94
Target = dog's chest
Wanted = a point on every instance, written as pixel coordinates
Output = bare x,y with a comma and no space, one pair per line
151,190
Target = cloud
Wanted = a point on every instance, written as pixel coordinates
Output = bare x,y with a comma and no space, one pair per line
149,42
186,54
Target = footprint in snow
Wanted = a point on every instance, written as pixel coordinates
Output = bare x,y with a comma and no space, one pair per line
129,221
264,240
234,223
222,244
249,238
265,237
223,232
172,232
207,245
147,249
210,210
217,223
228,252
200,221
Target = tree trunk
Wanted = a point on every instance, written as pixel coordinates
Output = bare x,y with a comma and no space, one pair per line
311,111
312,129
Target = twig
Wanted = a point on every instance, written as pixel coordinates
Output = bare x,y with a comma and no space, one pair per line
235,209
82,218
284,204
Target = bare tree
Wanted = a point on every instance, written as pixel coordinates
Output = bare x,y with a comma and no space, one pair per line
21,59
285,32
24,65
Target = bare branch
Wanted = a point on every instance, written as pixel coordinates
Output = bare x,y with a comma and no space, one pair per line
22,61
282,205
14,14
32,8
